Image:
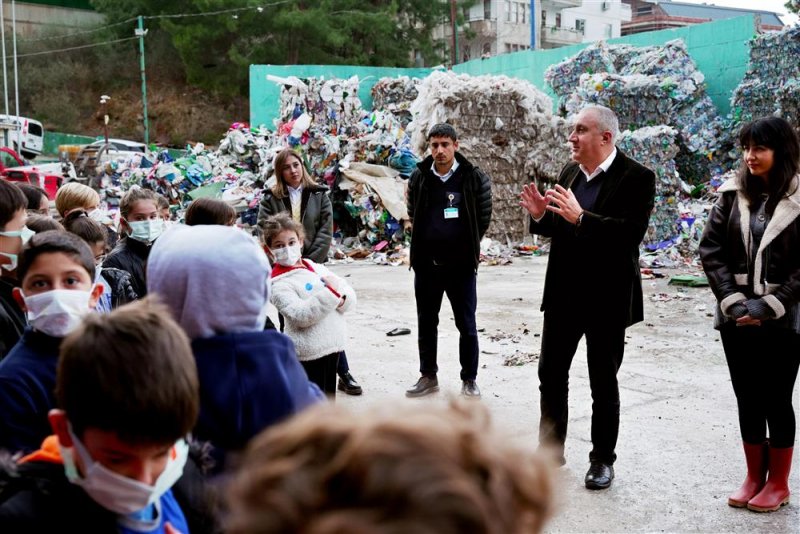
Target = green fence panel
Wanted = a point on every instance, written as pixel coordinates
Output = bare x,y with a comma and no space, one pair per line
265,95
53,139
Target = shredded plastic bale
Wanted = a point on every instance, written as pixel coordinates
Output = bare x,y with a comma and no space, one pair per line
376,200
648,86
771,84
396,95
655,148
505,127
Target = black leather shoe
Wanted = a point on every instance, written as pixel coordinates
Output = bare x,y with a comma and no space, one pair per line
348,384
599,476
424,386
470,389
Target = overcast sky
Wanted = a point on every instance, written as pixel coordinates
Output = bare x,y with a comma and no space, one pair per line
776,6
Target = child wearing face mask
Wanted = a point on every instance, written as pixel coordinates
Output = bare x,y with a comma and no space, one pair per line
312,300
117,285
56,271
13,235
119,461
141,224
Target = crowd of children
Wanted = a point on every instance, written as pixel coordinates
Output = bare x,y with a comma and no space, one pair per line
122,412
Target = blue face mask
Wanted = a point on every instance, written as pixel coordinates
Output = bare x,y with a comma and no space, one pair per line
25,235
146,231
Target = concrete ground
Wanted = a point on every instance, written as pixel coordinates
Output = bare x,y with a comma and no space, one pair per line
679,452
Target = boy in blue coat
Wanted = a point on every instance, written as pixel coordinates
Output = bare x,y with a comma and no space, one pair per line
215,280
56,271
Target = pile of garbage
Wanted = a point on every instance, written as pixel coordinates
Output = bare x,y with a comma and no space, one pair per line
505,126
655,148
396,95
771,85
646,86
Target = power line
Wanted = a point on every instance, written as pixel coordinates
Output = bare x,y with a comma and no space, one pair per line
84,32
74,47
220,12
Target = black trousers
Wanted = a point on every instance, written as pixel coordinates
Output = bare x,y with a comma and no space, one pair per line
763,364
322,372
605,345
431,282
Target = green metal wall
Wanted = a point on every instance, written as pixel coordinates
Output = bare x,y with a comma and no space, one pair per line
719,49
265,95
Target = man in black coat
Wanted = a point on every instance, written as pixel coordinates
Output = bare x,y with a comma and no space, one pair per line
450,206
596,215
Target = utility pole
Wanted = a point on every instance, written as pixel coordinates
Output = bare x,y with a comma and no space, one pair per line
533,24
140,33
454,55
16,78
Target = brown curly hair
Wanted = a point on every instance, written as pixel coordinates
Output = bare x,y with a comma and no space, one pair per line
421,469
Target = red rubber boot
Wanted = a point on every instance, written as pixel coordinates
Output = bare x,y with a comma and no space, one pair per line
756,459
776,491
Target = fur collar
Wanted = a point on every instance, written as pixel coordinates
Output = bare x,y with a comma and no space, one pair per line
787,210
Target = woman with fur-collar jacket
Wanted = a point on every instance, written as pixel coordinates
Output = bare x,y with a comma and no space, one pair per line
750,254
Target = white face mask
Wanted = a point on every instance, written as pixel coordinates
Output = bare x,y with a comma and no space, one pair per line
287,256
146,231
100,216
117,493
25,235
57,312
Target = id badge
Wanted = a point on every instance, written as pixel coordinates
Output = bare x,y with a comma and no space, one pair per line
451,213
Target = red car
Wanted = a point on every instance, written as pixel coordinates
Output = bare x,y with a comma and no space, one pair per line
13,169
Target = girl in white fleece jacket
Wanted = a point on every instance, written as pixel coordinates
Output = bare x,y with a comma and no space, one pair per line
311,299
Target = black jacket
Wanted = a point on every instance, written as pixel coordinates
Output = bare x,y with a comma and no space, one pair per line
121,284
735,272
131,255
12,318
593,267
477,200
316,214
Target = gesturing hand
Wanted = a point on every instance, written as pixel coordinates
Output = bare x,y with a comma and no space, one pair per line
563,202
533,201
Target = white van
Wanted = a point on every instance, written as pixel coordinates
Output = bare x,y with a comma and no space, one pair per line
31,134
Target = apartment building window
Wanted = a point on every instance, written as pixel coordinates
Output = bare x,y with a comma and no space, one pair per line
507,7
487,9
607,31
580,26
544,18
644,10
558,20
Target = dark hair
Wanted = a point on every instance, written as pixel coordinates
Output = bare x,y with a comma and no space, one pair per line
778,135
34,194
443,130
12,200
133,196
79,223
130,372
42,223
279,190
434,469
210,211
51,242
277,224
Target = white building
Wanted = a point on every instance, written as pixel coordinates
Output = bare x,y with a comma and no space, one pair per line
503,26
597,19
